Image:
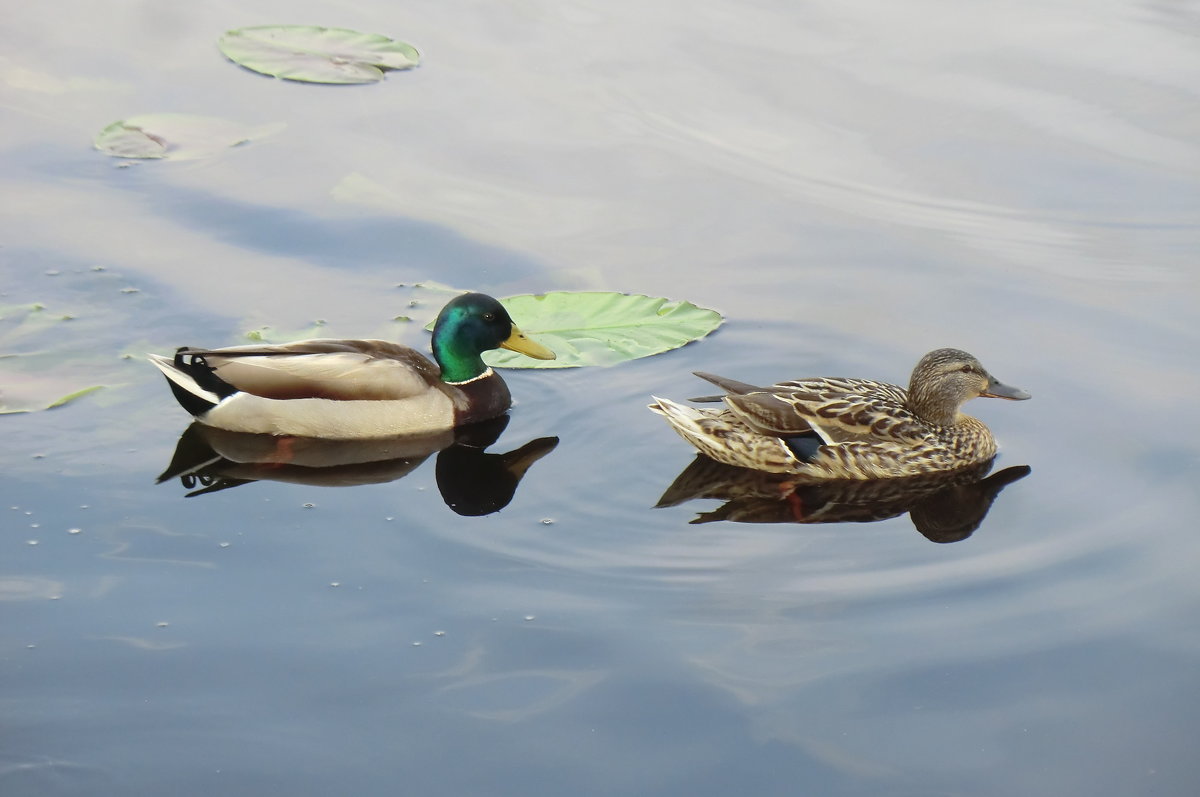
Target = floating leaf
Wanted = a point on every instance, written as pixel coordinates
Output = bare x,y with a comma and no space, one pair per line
314,54
177,136
601,328
67,399
29,388
268,334
45,358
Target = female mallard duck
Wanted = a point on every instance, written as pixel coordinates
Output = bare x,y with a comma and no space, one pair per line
344,389
835,428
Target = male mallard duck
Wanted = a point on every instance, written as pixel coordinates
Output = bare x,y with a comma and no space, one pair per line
343,389
833,428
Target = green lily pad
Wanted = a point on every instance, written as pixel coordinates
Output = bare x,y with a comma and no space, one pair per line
78,394
177,136
312,54
601,327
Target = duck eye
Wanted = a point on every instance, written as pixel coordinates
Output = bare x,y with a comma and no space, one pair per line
489,316
966,369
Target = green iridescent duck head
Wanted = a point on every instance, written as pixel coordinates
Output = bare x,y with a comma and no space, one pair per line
946,379
470,325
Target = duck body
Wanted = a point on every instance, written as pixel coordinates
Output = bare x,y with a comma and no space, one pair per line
837,428
353,389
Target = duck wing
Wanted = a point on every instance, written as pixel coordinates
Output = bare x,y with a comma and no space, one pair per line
838,410
344,370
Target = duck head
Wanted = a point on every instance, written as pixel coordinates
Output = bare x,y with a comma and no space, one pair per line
945,379
470,325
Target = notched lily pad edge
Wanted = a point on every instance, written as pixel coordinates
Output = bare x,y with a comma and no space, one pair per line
374,72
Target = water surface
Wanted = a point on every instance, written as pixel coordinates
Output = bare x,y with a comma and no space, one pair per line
851,184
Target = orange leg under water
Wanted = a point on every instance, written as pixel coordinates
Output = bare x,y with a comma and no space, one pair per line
797,505
787,491
285,451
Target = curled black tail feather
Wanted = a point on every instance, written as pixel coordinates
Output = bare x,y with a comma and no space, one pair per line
203,374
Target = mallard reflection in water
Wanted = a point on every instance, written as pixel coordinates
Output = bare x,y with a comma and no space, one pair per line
944,507
471,481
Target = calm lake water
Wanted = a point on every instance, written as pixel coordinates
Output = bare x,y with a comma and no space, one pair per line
851,183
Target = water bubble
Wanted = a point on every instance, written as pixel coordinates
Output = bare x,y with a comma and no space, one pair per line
439,633
74,531
31,542
416,644
335,583
529,617
309,506
35,525
161,624
223,544
547,521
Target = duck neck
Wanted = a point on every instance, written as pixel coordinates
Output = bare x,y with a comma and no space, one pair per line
459,361
932,407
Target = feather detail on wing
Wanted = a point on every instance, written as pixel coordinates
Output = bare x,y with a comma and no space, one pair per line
342,370
840,410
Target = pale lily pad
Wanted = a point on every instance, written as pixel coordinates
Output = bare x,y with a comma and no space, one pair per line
601,328
22,407
43,361
176,136
312,54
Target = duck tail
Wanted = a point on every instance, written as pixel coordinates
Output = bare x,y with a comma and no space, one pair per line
674,412
684,420
188,392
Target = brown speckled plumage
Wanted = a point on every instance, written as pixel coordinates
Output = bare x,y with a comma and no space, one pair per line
836,428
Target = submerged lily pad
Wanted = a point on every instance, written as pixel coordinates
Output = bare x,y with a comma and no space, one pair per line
313,54
601,328
177,136
50,353
22,407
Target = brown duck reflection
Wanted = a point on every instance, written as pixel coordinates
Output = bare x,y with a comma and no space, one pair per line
945,507
471,481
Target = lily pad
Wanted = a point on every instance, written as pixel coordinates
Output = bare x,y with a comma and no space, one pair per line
44,360
312,54
177,136
601,328
26,406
